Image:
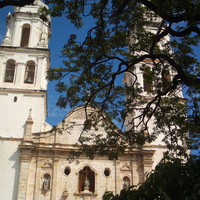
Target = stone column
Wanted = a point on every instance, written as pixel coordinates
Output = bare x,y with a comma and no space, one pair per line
17,33
117,176
40,70
55,174
147,162
96,183
134,175
140,168
33,38
38,184
19,71
23,176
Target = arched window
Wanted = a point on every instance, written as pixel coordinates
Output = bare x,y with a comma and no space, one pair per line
86,180
46,182
126,182
147,80
10,71
25,35
30,72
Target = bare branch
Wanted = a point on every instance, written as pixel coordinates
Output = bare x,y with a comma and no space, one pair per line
170,18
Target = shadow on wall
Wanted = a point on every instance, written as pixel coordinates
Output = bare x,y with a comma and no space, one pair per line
15,158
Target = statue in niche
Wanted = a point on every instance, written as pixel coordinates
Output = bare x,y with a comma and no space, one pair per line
126,183
87,183
86,186
46,182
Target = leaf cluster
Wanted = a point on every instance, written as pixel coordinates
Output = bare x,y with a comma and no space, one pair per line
172,180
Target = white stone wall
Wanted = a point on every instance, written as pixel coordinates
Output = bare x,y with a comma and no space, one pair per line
9,168
16,113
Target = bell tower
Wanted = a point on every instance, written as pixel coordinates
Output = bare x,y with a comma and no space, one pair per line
146,82
24,60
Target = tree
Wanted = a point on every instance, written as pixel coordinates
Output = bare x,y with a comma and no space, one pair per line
20,3
169,181
113,46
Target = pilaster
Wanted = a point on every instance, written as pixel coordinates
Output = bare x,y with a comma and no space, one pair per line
147,162
55,174
117,176
17,30
23,178
134,174
38,184
20,69
40,72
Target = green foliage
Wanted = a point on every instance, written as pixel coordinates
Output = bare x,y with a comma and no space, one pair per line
172,180
120,40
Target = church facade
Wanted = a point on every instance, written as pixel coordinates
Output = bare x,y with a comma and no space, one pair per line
33,155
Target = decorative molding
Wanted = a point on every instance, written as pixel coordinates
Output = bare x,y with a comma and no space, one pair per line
85,194
48,164
126,167
11,138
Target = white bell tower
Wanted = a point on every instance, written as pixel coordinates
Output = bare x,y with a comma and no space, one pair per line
143,78
24,60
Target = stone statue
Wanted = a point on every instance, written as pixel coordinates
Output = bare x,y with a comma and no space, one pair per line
39,3
126,184
87,183
46,183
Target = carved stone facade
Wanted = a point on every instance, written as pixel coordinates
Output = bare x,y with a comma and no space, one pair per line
47,174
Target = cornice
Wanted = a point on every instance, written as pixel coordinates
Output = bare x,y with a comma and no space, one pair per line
16,90
25,49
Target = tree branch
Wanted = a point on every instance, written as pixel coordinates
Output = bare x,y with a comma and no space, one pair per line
15,3
170,18
191,81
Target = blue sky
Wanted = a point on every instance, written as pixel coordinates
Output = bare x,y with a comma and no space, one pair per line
61,29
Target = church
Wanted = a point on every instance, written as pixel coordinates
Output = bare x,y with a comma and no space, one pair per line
33,157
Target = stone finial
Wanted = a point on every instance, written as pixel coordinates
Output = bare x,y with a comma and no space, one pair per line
28,129
7,40
65,193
